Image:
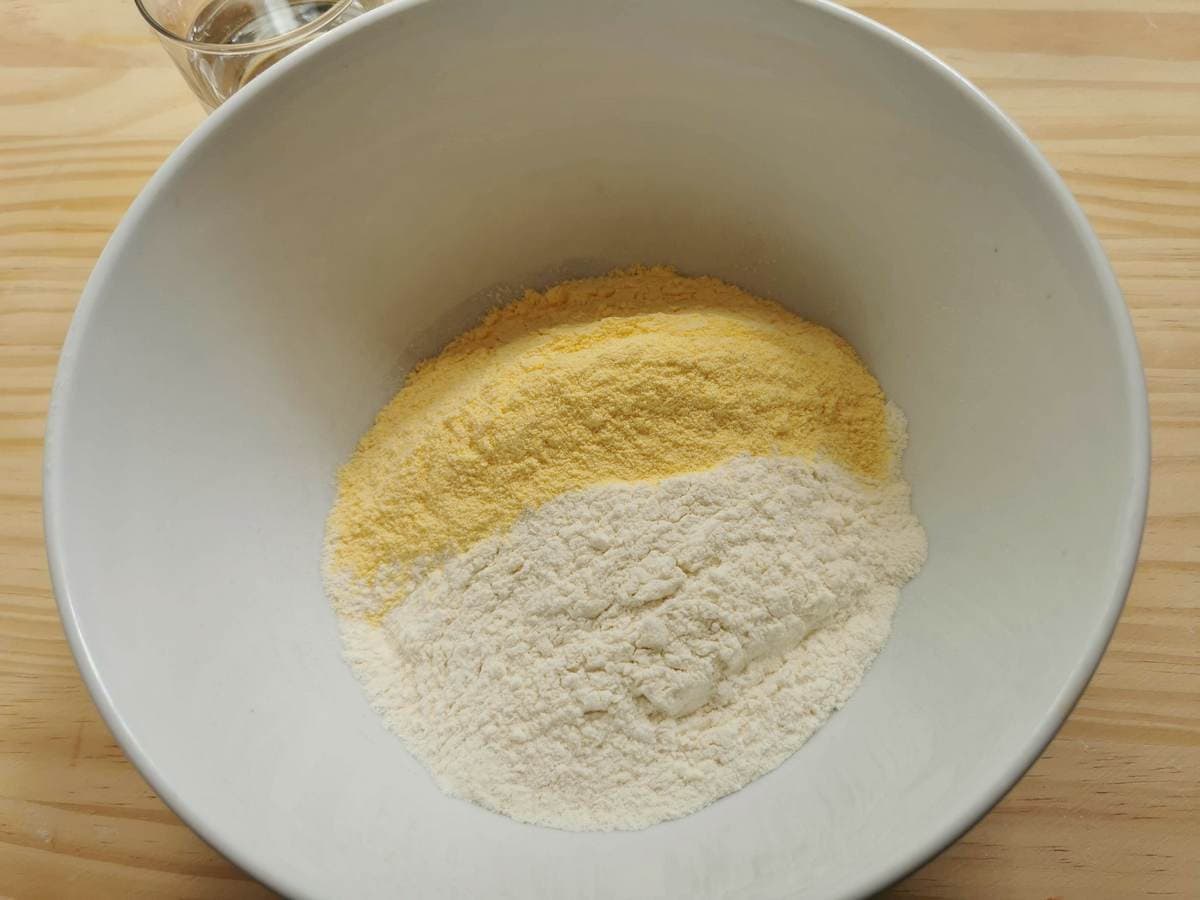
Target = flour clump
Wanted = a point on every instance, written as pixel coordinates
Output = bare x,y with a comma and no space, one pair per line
622,547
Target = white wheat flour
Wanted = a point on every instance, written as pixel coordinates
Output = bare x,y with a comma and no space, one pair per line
627,654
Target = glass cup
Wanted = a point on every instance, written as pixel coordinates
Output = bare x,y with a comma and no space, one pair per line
219,45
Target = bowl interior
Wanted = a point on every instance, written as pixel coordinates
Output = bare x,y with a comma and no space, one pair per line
369,198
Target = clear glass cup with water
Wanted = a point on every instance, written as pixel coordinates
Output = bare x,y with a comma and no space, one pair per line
219,45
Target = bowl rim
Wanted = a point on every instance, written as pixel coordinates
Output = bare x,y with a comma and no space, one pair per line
870,881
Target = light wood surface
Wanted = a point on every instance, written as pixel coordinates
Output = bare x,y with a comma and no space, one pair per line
1110,91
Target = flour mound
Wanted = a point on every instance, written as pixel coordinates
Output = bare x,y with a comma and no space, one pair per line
629,653
636,376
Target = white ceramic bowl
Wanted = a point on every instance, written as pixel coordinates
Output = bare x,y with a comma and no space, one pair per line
358,204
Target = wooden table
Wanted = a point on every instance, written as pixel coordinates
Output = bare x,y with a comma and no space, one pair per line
1109,89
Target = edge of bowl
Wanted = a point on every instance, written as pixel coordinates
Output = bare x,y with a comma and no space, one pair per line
870,882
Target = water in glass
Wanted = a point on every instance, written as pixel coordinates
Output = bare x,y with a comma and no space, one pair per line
231,23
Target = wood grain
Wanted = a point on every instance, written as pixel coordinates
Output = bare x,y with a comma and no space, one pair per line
1109,89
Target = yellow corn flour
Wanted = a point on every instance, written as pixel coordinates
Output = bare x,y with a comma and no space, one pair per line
635,376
